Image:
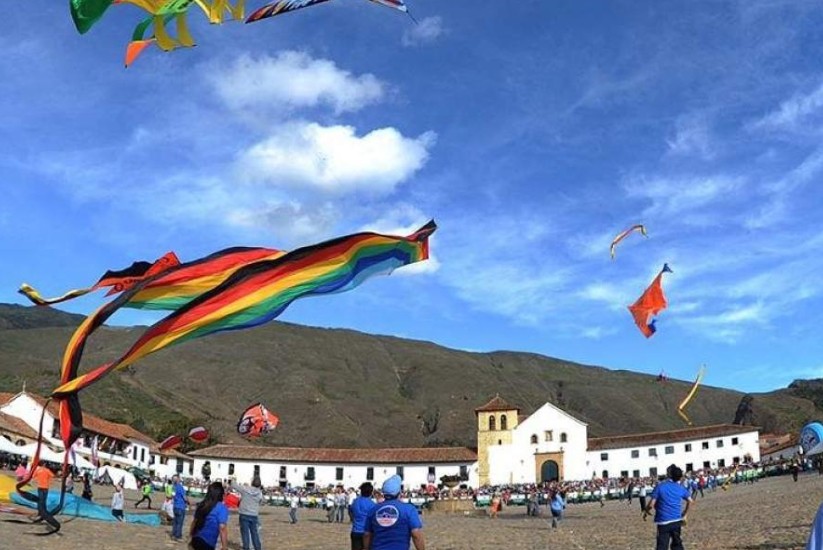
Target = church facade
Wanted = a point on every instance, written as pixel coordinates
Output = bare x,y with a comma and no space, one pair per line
551,444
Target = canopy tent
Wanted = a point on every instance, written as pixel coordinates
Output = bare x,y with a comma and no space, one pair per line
116,475
45,453
7,446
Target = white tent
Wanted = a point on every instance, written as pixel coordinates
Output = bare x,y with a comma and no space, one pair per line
7,446
116,475
45,453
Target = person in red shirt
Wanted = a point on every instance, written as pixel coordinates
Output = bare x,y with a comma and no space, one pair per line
42,477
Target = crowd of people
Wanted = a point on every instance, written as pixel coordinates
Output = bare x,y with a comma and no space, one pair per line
362,507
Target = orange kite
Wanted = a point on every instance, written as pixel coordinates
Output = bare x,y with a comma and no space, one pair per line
650,304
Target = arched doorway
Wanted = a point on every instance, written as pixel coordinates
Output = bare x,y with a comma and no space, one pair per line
549,471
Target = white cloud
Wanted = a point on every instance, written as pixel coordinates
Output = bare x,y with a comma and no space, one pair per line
669,197
294,80
425,31
793,111
691,137
729,324
335,159
606,293
596,333
290,221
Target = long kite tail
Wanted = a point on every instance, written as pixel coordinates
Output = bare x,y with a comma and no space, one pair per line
693,390
36,298
35,462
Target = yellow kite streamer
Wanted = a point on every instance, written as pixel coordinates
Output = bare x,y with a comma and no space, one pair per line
690,395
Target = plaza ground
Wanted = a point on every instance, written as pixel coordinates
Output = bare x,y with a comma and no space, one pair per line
775,513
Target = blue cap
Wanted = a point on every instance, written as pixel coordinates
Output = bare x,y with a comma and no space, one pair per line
392,486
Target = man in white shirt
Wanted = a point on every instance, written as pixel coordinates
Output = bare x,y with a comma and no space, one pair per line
294,502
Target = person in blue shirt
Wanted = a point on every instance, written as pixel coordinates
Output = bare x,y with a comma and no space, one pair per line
360,510
180,502
210,520
669,515
557,504
392,523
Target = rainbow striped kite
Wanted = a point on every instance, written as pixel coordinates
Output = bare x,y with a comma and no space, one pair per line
260,291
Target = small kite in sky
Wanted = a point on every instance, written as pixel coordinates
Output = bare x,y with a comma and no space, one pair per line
85,13
257,421
171,442
650,303
640,228
199,434
284,6
686,400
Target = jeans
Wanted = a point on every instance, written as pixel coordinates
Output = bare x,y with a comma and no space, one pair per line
177,523
248,529
199,544
357,541
670,531
293,515
42,509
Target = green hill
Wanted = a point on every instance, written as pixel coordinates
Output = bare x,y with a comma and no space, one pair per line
344,388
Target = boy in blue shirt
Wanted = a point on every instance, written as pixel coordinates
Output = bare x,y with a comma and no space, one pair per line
392,523
666,500
361,508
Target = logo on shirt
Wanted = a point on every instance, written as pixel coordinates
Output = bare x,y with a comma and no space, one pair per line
387,516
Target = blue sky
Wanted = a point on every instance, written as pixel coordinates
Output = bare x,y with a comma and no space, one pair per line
532,132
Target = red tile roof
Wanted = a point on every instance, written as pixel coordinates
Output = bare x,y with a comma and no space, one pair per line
792,443
673,436
174,453
92,423
426,455
122,432
13,425
496,404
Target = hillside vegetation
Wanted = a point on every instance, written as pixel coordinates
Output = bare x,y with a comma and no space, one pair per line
343,388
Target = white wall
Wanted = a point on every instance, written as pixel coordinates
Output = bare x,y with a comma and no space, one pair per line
170,468
515,463
620,460
28,410
784,454
414,475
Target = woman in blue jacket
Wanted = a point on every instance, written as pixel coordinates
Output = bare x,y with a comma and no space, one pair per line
557,504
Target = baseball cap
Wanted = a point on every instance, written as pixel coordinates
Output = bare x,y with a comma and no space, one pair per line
392,486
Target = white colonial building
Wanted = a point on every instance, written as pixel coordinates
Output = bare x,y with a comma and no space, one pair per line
692,449
302,467
552,444
118,445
